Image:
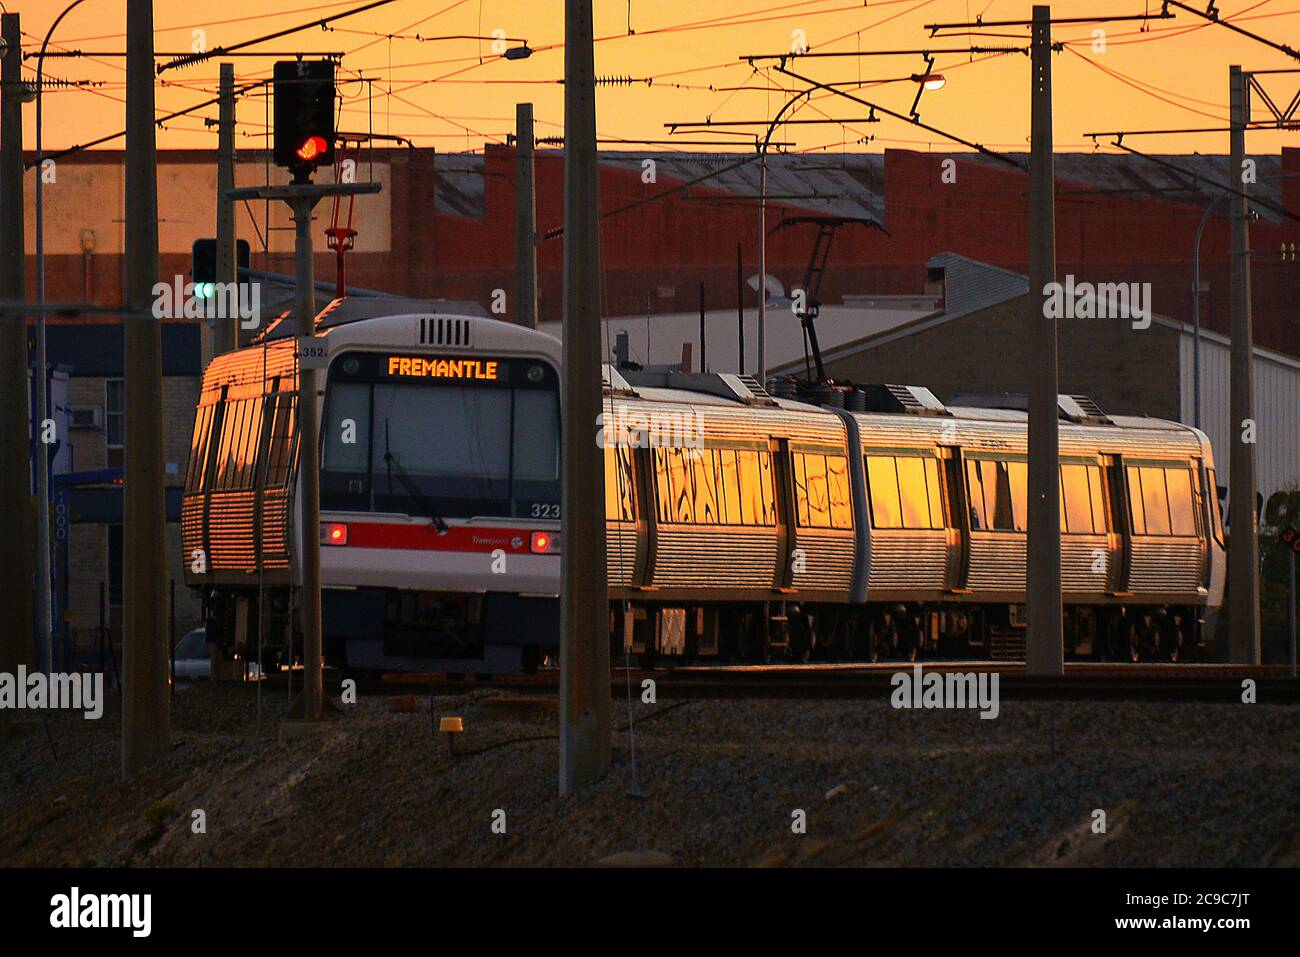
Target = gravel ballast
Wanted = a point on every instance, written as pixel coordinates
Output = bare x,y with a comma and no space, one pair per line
1190,784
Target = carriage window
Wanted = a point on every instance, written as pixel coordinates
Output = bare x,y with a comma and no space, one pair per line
997,494
619,501
822,490
811,495
837,484
932,488
282,442
883,482
347,438
1148,502
199,448
904,491
1018,476
1182,518
536,424
1098,503
714,487
1216,511
1081,506
728,485
1161,500
912,492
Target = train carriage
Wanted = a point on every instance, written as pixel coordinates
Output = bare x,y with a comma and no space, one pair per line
740,524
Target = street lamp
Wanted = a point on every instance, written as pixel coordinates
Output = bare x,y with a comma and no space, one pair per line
930,81
1196,309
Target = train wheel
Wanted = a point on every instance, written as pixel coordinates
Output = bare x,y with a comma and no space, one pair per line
854,639
1171,639
877,642
1132,642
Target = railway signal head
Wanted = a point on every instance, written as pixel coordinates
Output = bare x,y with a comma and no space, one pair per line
304,115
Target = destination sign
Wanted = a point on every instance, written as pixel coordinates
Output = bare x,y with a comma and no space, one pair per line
419,367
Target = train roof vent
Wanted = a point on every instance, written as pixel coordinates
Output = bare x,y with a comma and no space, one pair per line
912,399
1082,409
738,388
747,389
613,382
445,331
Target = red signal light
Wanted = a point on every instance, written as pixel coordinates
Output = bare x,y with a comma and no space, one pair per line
311,148
336,533
544,543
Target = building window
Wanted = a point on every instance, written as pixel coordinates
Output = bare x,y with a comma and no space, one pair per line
114,413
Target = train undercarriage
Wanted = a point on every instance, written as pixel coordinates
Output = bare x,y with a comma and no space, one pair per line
462,632
793,631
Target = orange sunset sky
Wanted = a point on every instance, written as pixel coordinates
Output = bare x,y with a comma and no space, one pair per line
456,94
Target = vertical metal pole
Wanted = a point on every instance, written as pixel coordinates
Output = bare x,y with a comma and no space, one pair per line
225,329
17,558
1043,644
1243,522
740,308
525,219
1290,606
704,355
1196,309
42,403
584,597
762,270
146,703
309,466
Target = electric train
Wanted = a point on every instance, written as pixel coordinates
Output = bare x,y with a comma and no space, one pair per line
865,523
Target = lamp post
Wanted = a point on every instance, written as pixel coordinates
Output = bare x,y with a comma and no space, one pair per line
1196,310
43,623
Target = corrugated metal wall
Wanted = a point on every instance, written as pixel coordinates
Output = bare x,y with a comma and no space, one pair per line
1277,409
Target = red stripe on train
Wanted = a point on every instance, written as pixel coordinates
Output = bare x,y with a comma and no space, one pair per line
458,538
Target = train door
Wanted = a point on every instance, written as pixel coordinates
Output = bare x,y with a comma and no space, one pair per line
783,482
956,520
1119,555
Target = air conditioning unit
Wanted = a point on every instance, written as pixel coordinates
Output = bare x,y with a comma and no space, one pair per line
85,417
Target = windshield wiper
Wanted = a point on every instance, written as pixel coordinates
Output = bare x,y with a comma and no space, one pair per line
412,489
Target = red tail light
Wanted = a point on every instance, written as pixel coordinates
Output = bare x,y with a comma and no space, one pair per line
544,543
335,533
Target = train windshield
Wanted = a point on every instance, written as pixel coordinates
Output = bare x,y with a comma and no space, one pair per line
441,437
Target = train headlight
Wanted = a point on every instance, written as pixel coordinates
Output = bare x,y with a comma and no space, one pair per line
544,543
335,533
536,374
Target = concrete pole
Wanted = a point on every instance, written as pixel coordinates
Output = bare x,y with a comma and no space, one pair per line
309,601
1043,644
525,219
762,269
225,334
146,701
584,598
1243,523
17,558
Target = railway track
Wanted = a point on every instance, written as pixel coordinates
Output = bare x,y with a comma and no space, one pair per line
1220,683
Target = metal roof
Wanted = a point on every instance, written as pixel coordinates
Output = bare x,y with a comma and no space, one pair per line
853,184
